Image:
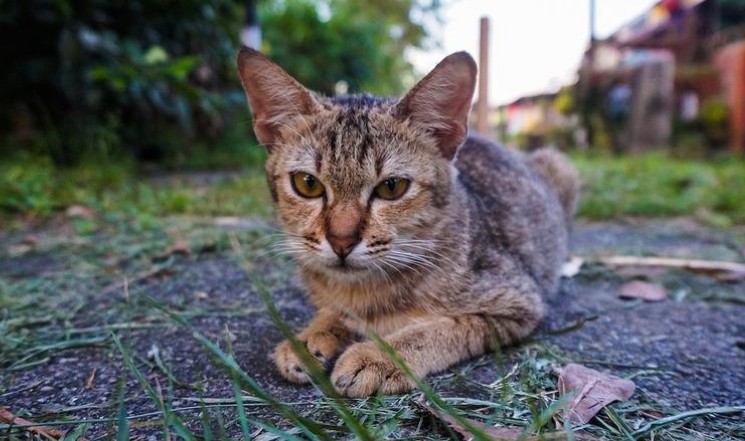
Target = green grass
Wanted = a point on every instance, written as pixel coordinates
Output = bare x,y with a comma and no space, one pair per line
657,185
36,188
649,185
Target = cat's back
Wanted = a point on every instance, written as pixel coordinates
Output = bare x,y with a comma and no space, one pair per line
515,214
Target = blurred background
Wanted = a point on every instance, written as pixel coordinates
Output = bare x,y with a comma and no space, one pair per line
112,104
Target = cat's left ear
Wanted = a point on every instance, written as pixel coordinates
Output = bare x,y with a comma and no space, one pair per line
441,101
275,98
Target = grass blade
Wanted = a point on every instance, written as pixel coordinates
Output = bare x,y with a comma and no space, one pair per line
311,428
169,417
689,414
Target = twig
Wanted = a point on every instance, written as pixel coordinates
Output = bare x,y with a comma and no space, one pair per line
702,266
689,414
9,418
23,389
91,378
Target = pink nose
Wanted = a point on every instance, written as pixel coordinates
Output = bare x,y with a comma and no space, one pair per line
343,245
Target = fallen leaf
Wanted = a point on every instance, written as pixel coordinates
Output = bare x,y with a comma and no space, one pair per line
506,433
180,247
572,267
592,390
637,289
80,211
30,239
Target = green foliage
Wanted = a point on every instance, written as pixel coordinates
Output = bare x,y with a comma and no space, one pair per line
37,187
87,79
714,121
359,43
714,113
655,184
137,67
565,102
731,12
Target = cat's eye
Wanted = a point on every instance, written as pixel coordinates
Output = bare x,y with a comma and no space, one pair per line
307,185
392,188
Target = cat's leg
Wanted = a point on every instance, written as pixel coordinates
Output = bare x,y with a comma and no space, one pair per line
325,337
434,345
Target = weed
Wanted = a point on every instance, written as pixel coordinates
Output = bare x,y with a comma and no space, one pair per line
656,185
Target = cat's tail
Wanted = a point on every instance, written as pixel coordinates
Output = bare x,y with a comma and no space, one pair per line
561,175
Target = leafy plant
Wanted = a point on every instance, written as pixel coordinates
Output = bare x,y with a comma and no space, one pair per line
713,119
139,68
359,44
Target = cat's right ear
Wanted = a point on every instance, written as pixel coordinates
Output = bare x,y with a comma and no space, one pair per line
440,103
274,97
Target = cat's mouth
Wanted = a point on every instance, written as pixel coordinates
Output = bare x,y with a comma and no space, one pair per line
343,265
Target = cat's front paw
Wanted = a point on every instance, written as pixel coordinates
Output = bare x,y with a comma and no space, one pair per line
322,346
364,369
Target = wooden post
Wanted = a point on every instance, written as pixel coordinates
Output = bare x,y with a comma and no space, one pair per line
482,106
730,61
737,103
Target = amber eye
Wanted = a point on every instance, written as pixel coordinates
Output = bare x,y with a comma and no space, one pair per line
307,185
392,188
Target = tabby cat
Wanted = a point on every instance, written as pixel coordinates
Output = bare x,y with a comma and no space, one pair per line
403,225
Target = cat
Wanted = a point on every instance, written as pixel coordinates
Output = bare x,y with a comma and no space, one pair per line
404,225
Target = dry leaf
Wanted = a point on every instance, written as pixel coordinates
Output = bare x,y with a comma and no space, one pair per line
180,247
572,266
649,292
592,390
30,239
80,211
507,433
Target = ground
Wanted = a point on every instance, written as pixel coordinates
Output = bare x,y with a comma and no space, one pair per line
84,301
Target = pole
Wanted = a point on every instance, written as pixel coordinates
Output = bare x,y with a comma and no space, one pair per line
482,106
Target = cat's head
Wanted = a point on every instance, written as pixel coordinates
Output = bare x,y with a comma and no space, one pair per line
361,184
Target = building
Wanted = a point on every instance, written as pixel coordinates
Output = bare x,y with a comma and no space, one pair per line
685,63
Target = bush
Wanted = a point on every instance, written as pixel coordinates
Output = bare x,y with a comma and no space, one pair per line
98,74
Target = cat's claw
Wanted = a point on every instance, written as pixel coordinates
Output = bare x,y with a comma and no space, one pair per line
364,369
289,364
322,346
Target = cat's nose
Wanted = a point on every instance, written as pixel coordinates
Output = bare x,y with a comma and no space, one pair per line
343,245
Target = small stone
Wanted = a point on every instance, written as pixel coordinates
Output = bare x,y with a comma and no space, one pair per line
201,295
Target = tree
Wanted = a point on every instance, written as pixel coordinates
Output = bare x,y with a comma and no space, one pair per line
361,43
148,76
